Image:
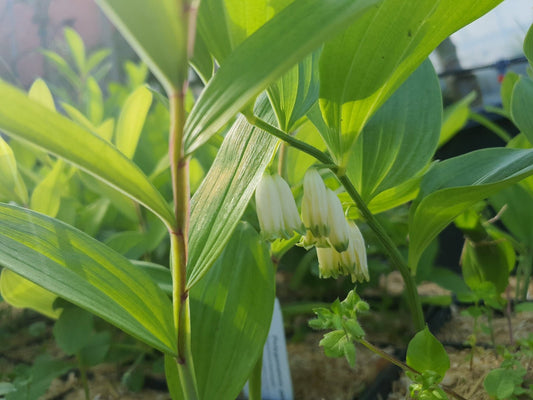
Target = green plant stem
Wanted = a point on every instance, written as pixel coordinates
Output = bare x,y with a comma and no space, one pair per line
254,383
480,119
83,377
402,365
399,263
179,167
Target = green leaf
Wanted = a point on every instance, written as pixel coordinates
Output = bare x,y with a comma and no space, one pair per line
521,105
96,58
94,101
401,138
40,93
487,261
501,383
297,162
506,90
77,48
363,66
224,194
38,379
517,218
224,24
12,185
235,299
131,120
73,329
295,92
426,353
83,271
155,31
454,185
201,61
528,45
62,66
264,57
46,197
32,122
455,117
173,378
22,293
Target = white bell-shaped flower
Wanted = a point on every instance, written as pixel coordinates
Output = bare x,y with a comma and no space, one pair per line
338,226
291,218
351,262
276,208
315,204
354,258
329,261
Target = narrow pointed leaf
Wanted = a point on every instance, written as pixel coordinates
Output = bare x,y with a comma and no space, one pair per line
454,185
46,197
77,48
131,120
235,299
85,272
12,186
401,138
295,92
362,67
40,93
224,194
154,31
94,101
263,58
27,120
227,23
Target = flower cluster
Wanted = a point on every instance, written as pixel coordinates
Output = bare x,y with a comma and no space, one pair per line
339,243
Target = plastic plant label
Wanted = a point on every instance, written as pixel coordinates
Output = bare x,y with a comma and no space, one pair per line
276,381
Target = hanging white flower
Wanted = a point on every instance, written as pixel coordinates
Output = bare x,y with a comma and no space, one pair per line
276,208
354,258
315,204
338,226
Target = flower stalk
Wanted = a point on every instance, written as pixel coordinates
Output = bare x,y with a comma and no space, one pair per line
396,258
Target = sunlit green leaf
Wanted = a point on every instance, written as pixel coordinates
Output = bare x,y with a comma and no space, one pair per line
22,293
155,31
224,194
131,120
40,93
46,197
77,48
12,186
297,162
295,92
363,66
83,271
454,185
94,101
27,120
426,353
400,139
235,299
246,71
